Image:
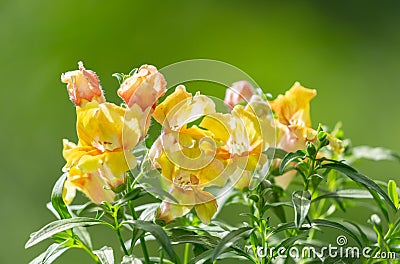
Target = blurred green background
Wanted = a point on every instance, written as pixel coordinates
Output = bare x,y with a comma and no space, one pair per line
347,50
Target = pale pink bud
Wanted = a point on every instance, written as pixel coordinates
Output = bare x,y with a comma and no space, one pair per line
83,86
239,92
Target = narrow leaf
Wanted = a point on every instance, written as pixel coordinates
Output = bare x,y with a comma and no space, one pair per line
381,204
331,224
291,156
392,191
275,153
57,198
158,233
301,202
282,227
52,253
360,178
59,226
105,255
229,239
346,194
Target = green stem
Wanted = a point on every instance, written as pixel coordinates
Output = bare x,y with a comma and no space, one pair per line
144,250
89,251
161,256
186,254
134,233
137,179
118,230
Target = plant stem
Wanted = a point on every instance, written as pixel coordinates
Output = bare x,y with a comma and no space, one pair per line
186,254
117,229
134,232
161,256
89,251
144,250
137,179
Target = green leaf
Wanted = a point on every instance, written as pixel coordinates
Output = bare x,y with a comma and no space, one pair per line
119,76
360,178
291,156
275,153
182,236
52,253
346,194
381,204
282,227
105,255
331,224
132,195
394,245
229,239
392,191
311,150
59,226
158,233
57,198
366,152
301,202
203,257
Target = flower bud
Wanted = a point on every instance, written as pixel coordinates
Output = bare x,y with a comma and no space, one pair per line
83,86
143,88
240,91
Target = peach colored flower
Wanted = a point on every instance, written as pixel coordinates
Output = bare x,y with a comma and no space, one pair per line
83,86
143,88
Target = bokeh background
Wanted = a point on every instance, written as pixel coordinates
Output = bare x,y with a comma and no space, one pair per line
348,50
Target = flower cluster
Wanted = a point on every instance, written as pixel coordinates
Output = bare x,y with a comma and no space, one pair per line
107,133
197,156
220,149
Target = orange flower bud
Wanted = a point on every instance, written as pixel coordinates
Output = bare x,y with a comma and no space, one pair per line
83,86
143,88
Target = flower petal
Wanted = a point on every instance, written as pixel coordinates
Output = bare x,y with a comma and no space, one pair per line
181,108
294,106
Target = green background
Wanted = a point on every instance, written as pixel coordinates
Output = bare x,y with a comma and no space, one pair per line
347,50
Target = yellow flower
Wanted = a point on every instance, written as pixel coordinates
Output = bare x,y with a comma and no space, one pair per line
192,158
187,156
90,170
294,124
83,86
107,126
106,135
181,108
293,108
203,202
